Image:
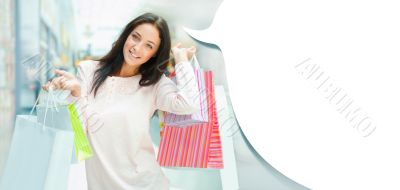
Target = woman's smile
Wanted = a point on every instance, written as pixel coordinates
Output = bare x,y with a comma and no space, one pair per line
133,55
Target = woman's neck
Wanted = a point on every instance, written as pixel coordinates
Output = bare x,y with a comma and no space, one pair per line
128,71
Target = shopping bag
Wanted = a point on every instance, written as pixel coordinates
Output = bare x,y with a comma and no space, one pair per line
64,116
194,145
39,156
83,149
198,117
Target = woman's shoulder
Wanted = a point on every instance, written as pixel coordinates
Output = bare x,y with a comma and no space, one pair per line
88,66
164,79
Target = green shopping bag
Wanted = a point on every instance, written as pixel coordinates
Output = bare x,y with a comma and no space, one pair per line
82,147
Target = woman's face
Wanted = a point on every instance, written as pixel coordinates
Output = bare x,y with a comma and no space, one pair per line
141,45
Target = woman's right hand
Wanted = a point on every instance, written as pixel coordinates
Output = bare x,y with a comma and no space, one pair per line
182,54
65,81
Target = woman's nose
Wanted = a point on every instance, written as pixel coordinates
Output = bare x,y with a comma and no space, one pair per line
137,47
134,46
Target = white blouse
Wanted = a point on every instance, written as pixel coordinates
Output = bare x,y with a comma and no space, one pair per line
117,124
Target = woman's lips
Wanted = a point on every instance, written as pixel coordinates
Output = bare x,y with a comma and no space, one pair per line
133,55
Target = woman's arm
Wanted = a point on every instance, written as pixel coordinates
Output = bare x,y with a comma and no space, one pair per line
182,98
78,85
83,77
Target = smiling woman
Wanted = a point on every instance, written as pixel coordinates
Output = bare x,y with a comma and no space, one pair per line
120,93
142,48
135,54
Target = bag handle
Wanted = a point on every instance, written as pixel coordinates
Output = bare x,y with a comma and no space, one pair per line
36,102
195,62
50,96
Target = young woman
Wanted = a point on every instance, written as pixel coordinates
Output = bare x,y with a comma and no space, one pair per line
119,93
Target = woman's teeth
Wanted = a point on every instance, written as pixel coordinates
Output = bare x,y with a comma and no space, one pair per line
133,55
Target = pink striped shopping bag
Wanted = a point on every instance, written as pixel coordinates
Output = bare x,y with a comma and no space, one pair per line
195,145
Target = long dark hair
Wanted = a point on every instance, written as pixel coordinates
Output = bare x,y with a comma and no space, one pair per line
152,70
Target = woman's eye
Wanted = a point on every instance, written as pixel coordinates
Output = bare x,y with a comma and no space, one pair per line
135,37
149,46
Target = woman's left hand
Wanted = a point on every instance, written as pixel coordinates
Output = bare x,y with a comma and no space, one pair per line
66,81
182,54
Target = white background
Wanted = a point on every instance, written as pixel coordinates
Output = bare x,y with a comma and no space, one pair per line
285,117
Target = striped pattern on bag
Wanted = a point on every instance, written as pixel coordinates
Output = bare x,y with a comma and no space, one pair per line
197,145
